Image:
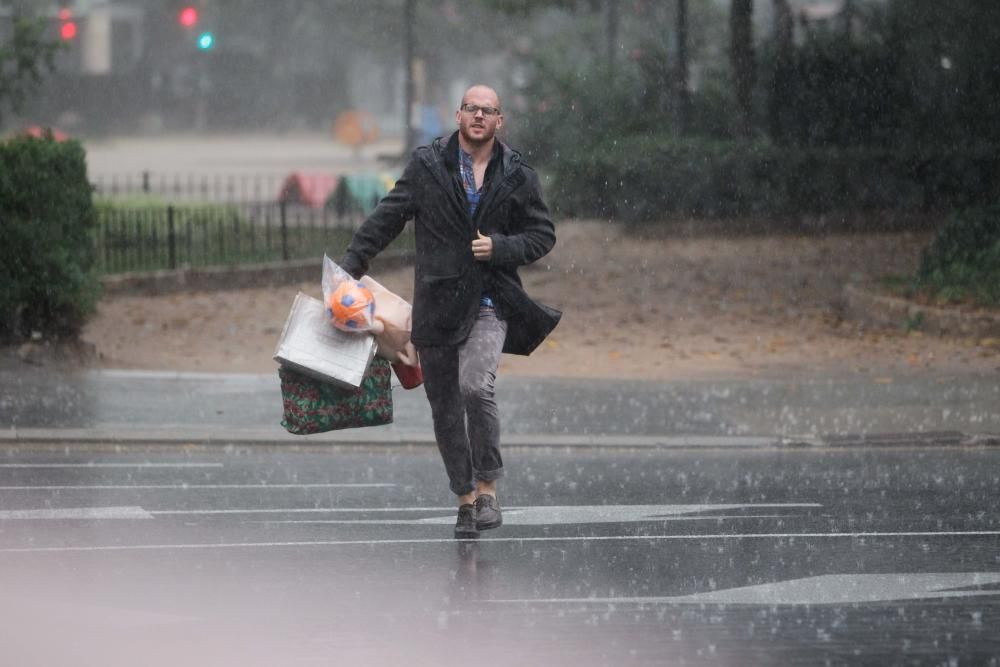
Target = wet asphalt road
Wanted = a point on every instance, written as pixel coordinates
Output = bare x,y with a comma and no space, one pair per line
137,405
273,556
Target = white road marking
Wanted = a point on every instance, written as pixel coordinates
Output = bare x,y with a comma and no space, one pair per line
105,487
824,589
314,510
584,514
111,465
436,520
513,515
129,512
582,538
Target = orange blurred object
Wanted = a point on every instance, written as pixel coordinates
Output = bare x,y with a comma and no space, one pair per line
352,306
355,128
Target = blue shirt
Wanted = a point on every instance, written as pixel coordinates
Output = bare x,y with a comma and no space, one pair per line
472,196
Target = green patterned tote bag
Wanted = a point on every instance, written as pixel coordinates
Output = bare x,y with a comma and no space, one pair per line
314,406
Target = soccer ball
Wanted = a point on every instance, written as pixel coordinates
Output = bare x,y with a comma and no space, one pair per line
351,306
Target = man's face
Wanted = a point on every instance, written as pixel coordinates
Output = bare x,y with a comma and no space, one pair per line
478,127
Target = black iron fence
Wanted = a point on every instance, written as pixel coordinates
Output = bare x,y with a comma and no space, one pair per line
212,221
151,238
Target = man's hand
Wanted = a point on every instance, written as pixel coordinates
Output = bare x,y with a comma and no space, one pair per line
482,247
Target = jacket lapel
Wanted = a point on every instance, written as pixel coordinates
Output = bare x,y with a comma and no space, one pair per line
512,178
435,162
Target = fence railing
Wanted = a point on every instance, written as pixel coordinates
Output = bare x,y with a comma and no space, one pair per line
151,221
191,187
149,238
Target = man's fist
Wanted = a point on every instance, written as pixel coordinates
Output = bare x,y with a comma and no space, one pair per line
482,247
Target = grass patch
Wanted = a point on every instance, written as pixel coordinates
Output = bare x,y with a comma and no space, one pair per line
962,263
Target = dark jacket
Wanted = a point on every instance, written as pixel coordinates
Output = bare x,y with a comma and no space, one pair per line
448,280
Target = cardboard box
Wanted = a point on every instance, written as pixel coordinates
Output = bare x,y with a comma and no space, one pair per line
311,345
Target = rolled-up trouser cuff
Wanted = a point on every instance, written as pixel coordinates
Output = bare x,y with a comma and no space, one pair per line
462,489
489,475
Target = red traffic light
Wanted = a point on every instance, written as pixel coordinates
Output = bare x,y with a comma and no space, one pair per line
67,31
188,17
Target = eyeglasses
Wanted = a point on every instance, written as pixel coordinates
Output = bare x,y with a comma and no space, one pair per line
475,108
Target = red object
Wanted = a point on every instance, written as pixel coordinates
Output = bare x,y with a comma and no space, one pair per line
188,17
410,377
67,31
39,132
308,188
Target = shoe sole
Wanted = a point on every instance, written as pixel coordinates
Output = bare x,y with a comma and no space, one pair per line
490,526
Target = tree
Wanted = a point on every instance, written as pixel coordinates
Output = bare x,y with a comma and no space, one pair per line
742,59
782,71
683,97
24,59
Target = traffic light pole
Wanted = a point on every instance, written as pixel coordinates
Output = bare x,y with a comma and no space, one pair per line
200,104
409,137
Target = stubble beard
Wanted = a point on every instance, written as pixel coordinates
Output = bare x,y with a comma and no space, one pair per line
475,141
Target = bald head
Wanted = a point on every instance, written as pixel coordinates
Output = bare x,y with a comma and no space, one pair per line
480,91
478,118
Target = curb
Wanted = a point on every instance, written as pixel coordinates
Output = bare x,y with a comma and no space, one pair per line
266,274
894,312
84,437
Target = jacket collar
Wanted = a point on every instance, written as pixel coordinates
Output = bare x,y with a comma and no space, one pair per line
504,157
442,160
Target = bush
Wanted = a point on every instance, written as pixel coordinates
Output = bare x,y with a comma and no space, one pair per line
47,282
962,263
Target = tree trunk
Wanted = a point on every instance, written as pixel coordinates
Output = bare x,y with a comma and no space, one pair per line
780,89
681,74
848,19
742,57
611,32
410,135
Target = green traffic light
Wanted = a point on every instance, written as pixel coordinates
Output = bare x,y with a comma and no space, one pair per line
206,40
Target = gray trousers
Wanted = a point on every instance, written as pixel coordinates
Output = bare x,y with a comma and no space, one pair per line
459,382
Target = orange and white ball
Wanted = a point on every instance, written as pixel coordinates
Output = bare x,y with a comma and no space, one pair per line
351,306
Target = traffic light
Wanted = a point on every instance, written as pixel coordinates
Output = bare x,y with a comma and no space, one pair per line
67,27
206,40
188,16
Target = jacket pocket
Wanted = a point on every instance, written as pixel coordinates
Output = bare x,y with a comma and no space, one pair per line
443,299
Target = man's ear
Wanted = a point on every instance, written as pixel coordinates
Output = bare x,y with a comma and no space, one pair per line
499,121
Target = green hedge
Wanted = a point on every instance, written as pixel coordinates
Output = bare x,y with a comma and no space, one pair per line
647,178
47,282
962,263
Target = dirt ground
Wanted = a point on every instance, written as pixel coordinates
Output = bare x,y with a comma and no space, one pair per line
677,306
